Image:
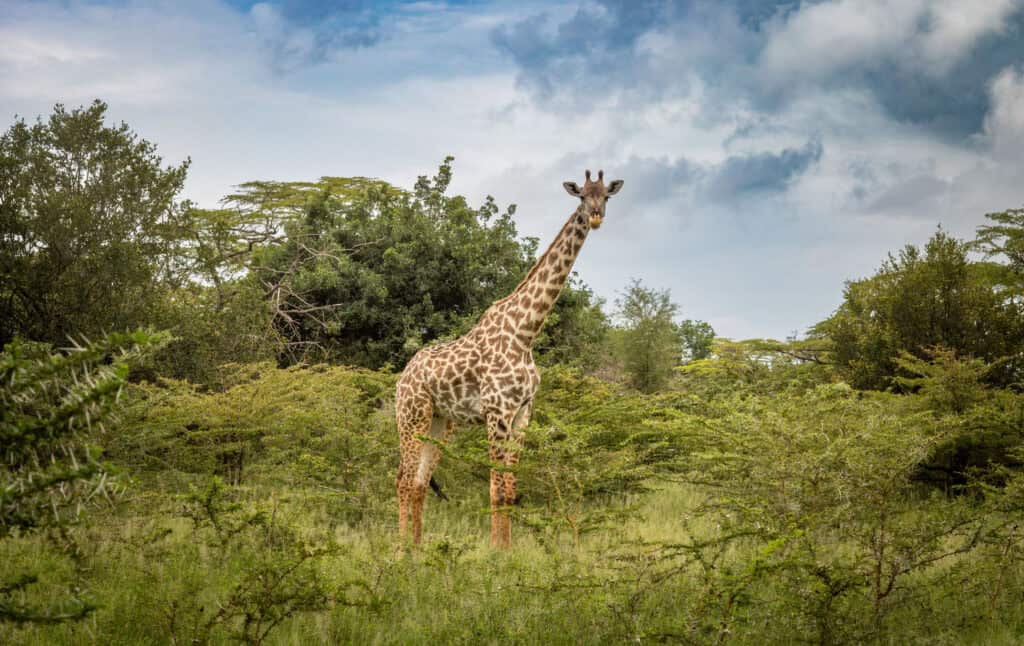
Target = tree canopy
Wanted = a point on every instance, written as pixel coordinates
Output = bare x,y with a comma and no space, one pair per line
918,299
84,216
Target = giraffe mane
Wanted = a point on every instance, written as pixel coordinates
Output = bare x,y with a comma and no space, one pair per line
537,265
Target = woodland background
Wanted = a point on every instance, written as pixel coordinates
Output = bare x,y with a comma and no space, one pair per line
199,447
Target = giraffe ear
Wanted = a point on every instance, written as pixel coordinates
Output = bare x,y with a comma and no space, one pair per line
614,187
572,189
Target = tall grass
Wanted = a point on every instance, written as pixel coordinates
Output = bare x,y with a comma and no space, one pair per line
735,517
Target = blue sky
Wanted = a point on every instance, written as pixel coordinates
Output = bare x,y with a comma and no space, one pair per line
771,150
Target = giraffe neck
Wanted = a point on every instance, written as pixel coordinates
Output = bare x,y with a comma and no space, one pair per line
535,296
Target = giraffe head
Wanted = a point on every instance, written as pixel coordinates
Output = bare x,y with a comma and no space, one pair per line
594,195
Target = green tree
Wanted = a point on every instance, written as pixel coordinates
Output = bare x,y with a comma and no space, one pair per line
920,299
698,339
84,215
650,343
212,326
369,272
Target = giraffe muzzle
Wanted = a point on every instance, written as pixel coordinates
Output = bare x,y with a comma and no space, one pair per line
595,221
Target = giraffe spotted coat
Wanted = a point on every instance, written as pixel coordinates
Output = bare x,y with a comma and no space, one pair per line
487,376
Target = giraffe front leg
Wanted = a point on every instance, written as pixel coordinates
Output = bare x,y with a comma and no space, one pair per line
497,437
505,440
497,503
515,445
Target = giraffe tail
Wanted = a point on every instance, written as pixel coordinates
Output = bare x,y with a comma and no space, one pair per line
437,489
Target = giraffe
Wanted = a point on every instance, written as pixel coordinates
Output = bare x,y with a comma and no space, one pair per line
487,376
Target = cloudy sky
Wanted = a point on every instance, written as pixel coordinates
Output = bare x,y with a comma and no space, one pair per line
770,150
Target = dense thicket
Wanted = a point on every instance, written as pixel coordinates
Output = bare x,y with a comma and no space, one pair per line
747,503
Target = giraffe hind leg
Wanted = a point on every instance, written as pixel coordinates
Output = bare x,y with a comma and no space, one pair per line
413,417
507,479
429,456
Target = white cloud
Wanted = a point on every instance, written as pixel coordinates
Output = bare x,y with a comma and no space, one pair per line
824,39
956,25
1004,126
819,40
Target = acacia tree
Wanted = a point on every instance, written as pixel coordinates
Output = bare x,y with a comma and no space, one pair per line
51,405
84,215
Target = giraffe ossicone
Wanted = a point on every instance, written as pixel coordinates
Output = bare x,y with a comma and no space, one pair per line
487,376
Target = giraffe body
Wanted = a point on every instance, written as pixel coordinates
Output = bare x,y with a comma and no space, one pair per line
487,376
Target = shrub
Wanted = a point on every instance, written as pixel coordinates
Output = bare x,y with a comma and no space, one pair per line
51,406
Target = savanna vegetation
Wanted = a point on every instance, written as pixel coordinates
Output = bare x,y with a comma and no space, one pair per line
198,438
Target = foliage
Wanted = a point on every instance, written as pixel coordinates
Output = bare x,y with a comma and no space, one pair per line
986,425
84,216
576,331
650,344
268,565
948,383
50,406
754,501
1004,237
317,427
816,490
698,339
211,327
755,367
917,300
369,273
